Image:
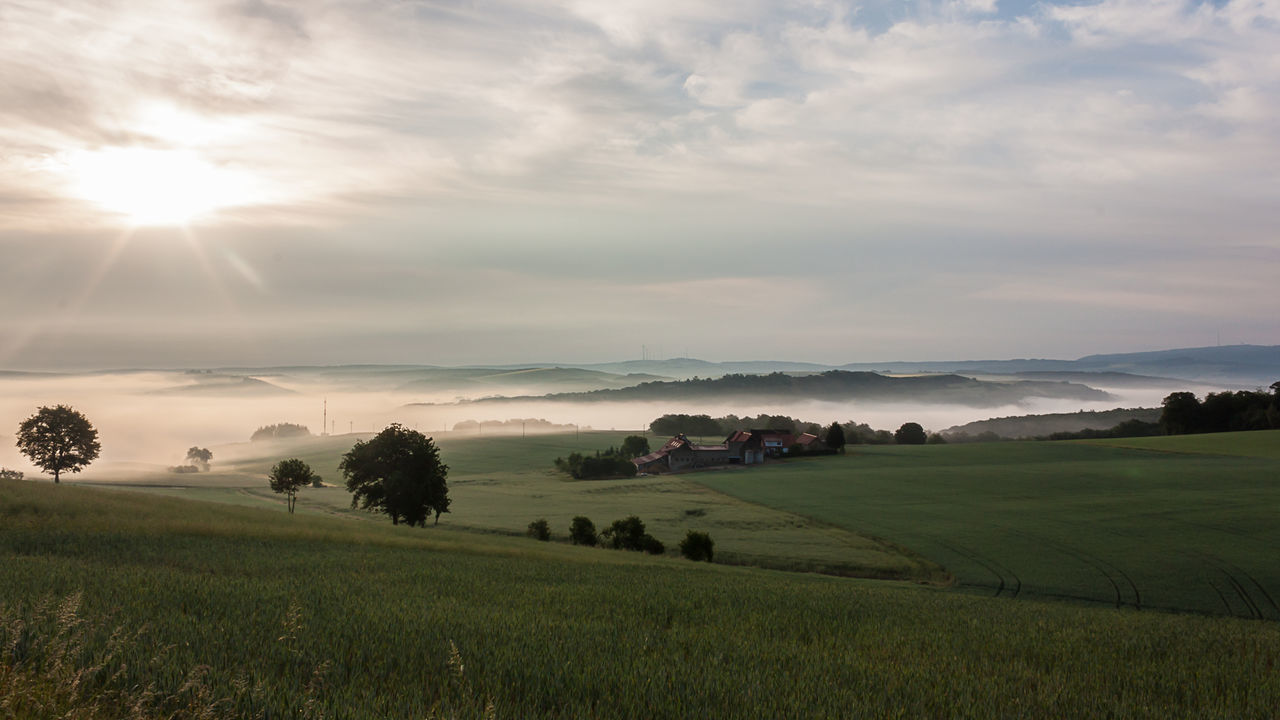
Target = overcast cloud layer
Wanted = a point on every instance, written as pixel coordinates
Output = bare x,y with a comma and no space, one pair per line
500,182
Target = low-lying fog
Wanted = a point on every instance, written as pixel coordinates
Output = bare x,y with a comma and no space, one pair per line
151,418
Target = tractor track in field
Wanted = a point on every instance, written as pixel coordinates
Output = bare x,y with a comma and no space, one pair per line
1096,563
993,567
1231,571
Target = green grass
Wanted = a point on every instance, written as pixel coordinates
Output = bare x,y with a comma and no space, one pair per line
227,611
1174,529
1259,444
502,483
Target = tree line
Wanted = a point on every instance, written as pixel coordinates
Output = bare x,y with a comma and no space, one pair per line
852,433
1182,413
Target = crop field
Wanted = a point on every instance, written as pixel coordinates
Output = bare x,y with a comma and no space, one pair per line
133,605
1186,523
502,483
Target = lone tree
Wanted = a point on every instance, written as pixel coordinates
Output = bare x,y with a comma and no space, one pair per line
290,476
698,546
397,472
58,439
200,456
835,437
910,434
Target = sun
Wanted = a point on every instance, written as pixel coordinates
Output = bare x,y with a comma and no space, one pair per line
155,186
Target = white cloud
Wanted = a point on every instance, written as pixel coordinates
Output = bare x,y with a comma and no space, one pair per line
615,127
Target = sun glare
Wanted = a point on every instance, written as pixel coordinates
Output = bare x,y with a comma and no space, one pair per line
156,187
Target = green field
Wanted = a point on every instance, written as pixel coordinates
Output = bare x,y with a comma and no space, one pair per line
501,484
132,605
1190,524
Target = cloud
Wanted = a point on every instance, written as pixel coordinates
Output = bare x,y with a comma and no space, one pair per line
452,154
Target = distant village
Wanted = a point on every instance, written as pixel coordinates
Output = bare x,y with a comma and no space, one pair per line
744,447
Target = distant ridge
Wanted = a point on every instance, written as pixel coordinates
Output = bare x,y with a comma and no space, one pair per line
838,385
1243,365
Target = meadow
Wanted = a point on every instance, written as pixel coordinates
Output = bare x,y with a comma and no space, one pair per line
117,604
499,484
1183,523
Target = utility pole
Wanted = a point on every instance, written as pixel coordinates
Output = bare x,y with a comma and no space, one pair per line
325,423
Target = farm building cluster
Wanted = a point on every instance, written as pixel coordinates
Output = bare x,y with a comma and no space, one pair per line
744,447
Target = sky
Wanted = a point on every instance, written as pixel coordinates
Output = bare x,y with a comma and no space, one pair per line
203,184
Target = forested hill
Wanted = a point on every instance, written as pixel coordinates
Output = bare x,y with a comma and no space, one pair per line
844,385
1030,426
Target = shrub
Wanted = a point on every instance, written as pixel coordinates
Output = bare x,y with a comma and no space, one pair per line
183,469
697,546
629,534
7,474
583,532
653,545
607,465
539,530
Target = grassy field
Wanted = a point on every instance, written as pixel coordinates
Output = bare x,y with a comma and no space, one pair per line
133,605
1181,523
501,484
1241,444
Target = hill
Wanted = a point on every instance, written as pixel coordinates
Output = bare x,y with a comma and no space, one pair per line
1031,426
139,606
836,385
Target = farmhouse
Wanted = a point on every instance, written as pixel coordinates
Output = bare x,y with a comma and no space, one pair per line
744,447
679,453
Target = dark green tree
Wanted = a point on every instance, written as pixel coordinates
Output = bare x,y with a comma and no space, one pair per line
583,532
1181,414
398,472
58,439
633,446
835,437
288,477
697,546
539,529
910,434
629,534
200,456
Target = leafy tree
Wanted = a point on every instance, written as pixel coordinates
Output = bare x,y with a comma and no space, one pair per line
629,534
1181,413
633,446
398,472
835,437
583,532
7,474
290,476
58,439
539,530
697,546
910,434
200,456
